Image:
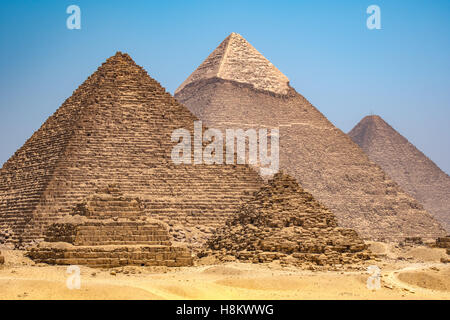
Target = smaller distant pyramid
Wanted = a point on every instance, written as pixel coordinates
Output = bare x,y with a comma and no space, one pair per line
235,59
406,165
284,222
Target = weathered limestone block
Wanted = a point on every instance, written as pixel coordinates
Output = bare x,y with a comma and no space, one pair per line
2,258
443,242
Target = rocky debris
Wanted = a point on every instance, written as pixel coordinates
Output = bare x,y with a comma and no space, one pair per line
5,234
443,242
326,162
116,130
283,222
411,241
113,232
405,164
109,202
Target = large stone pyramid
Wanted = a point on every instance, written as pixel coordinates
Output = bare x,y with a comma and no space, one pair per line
116,129
408,166
283,222
235,87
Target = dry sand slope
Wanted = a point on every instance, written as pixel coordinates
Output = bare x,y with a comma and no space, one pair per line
407,273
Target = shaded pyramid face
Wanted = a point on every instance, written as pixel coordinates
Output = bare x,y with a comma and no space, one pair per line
116,129
323,159
284,222
410,168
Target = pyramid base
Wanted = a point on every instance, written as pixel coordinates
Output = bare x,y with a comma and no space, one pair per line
110,256
300,259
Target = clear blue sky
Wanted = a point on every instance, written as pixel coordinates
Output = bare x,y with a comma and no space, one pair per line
401,72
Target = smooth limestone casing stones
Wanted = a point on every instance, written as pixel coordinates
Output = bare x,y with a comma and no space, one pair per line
116,129
283,222
404,163
235,87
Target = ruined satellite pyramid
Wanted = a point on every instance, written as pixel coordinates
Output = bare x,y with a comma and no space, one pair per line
403,162
235,87
109,229
283,222
116,129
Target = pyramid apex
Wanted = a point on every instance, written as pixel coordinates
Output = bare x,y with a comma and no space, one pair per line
235,34
237,60
372,117
119,58
119,55
367,127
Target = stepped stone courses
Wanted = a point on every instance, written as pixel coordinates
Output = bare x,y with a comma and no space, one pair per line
109,235
284,222
323,159
116,129
409,167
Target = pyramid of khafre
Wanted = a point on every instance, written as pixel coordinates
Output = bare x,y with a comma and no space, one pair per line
236,87
283,222
116,129
410,168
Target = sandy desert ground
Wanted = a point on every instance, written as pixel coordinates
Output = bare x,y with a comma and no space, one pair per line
406,273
